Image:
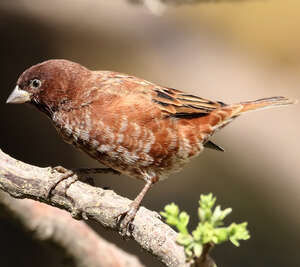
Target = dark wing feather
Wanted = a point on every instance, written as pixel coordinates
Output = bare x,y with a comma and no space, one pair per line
181,105
211,145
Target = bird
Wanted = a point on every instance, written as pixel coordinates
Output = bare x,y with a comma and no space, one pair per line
132,126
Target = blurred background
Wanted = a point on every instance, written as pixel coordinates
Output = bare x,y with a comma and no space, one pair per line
229,51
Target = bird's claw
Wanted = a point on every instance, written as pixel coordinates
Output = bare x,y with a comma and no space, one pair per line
124,221
65,175
61,169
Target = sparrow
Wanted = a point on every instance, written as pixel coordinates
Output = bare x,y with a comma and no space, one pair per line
133,126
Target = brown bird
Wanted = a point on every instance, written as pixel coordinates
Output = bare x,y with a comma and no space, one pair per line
133,126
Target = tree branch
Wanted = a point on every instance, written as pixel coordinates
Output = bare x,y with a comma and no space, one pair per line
78,240
22,180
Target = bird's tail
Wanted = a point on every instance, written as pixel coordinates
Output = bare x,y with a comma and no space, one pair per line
264,103
227,113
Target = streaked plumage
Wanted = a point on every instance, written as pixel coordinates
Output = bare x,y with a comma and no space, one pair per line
131,125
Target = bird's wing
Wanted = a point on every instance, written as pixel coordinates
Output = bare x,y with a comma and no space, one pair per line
178,104
212,145
173,102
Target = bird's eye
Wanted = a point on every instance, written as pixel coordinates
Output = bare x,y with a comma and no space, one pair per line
35,83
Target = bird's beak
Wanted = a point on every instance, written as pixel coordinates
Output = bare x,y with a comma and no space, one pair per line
18,96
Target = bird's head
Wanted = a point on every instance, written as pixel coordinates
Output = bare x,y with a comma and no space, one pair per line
49,84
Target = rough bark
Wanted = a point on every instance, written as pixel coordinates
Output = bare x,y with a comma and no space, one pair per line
22,180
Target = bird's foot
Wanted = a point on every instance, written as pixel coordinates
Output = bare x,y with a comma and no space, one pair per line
77,212
125,219
77,175
65,174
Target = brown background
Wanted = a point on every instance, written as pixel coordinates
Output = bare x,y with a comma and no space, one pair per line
229,52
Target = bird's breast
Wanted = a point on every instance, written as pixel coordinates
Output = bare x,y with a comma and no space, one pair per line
158,147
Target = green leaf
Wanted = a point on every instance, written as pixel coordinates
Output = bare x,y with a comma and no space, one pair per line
188,251
172,209
164,214
207,201
197,233
184,218
238,232
225,213
171,220
201,214
184,239
221,234
183,221
208,233
219,215
208,229
198,248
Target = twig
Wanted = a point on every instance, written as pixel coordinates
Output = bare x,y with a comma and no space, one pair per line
22,180
205,260
78,241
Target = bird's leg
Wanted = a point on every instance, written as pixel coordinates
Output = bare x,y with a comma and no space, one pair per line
126,218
